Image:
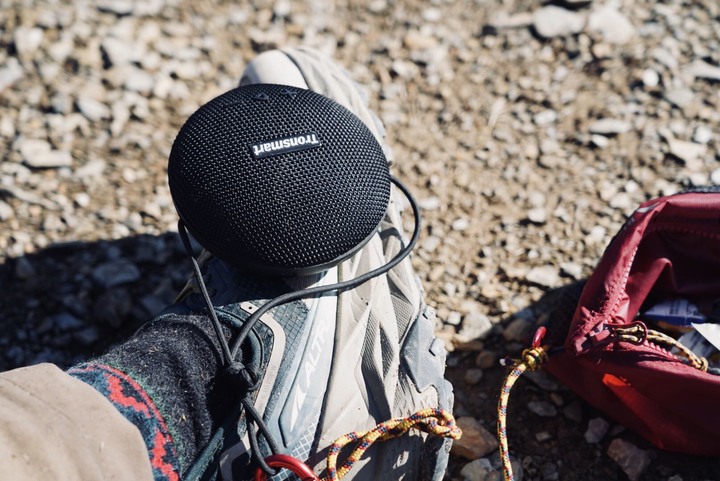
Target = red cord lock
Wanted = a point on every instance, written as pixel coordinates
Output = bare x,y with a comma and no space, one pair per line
298,468
539,336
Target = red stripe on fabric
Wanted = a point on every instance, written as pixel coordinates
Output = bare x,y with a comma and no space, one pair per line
117,396
158,452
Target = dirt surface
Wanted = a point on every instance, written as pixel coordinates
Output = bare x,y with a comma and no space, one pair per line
527,133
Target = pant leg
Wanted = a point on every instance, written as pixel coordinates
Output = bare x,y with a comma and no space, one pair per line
53,426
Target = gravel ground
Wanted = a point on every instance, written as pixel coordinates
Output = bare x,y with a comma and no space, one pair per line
528,131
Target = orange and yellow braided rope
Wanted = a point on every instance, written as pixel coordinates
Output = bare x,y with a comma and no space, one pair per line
433,421
531,360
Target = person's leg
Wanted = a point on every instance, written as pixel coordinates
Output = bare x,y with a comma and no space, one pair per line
315,368
53,426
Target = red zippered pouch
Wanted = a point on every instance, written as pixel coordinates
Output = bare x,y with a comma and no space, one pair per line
668,249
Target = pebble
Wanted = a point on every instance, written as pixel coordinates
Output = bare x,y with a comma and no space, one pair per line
609,126
596,430
689,152
542,408
115,273
473,376
702,135
27,40
599,141
475,442
680,97
552,21
486,360
24,269
38,153
475,325
546,276
537,215
10,73
650,78
518,330
6,211
631,459
66,322
476,470
703,70
613,26
715,177
93,109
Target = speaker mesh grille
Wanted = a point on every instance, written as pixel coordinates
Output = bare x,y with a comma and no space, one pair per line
290,211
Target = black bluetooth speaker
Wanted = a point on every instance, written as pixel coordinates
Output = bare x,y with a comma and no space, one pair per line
279,179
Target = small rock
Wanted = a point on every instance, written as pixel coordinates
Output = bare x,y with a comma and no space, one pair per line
6,211
486,360
518,330
609,127
650,78
93,109
702,135
596,430
27,40
537,215
546,117
543,380
118,7
715,177
689,152
10,73
475,325
115,273
703,70
473,376
430,203
680,97
88,336
24,269
139,81
546,276
454,318
599,141
551,21
542,408
517,20
476,470
543,436
571,269
66,322
460,225
631,459
476,441
613,26
38,153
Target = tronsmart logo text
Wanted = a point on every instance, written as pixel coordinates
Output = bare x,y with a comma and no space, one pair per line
285,145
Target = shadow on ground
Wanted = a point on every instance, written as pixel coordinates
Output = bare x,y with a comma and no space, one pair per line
550,447
70,301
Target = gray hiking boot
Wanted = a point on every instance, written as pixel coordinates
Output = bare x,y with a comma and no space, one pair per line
331,364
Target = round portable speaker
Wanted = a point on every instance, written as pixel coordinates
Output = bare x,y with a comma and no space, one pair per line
279,179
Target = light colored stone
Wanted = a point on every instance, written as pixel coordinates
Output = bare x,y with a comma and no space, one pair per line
10,73
27,40
609,126
546,276
476,441
552,21
94,110
612,25
631,459
596,430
